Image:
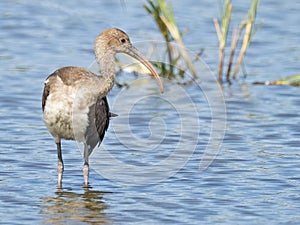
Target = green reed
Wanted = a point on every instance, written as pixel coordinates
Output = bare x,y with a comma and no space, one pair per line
246,27
164,18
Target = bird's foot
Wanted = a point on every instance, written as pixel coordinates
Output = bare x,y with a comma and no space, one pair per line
59,185
60,174
86,175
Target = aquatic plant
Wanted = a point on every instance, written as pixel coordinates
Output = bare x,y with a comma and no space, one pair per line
246,26
178,61
222,32
177,57
291,80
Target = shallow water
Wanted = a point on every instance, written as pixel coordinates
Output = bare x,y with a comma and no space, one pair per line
148,172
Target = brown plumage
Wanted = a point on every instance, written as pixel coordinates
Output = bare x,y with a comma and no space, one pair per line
74,99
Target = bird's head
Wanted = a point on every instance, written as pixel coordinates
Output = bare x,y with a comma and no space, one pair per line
113,40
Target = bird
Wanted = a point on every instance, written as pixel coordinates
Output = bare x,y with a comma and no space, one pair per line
74,101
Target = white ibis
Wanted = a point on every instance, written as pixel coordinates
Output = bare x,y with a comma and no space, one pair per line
74,99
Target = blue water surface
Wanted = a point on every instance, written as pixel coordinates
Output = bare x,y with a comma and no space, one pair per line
253,180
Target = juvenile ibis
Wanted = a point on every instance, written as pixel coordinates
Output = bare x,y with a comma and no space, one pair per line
74,99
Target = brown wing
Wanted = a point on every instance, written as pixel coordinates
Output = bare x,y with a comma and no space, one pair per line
98,123
45,95
46,91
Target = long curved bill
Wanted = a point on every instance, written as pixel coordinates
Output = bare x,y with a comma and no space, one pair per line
135,53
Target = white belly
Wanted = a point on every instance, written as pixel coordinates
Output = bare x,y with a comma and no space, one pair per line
64,117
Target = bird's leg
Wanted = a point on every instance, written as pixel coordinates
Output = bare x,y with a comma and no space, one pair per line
86,166
60,165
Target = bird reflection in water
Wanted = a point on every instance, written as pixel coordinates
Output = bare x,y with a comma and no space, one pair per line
72,208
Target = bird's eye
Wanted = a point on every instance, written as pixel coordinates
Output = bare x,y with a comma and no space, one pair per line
123,40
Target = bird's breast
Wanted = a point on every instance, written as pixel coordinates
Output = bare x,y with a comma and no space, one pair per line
65,114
